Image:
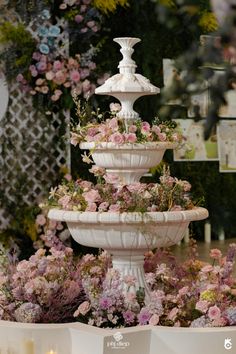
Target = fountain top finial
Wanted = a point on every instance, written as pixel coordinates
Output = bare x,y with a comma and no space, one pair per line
127,65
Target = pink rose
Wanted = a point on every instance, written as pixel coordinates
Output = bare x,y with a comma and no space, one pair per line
130,138
44,89
40,220
90,24
60,77
176,208
92,196
92,131
57,65
215,253
103,206
154,320
41,66
114,208
68,177
111,178
162,136
113,124
202,306
49,75
39,82
183,291
75,75
115,107
132,128
91,207
82,309
78,18
64,201
117,138
156,129
145,128
214,312
129,280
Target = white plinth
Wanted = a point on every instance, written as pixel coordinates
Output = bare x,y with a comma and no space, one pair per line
76,338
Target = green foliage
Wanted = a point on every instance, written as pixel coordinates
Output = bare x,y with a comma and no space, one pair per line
18,48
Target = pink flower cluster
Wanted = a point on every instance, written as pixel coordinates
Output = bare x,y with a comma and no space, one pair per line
193,294
170,194
55,78
46,288
115,130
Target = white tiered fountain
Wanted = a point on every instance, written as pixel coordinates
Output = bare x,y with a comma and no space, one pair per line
127,236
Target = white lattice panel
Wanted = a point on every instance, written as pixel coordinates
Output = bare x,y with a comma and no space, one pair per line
32,145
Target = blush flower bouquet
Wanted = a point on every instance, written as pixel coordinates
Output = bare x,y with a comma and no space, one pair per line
170,194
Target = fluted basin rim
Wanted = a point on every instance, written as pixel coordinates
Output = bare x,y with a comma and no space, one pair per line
159,145
86,217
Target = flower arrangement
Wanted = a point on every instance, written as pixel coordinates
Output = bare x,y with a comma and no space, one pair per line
58,287
116,130
170,194
191,294
46,288
54,79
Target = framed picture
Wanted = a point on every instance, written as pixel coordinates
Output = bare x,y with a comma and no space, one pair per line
227,145
202,101
194,147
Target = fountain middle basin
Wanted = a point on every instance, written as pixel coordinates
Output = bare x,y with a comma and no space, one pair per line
127,236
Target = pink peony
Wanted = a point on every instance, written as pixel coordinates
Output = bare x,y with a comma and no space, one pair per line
117,138
214,312
154,320
82,309
86,185
92,196
215,253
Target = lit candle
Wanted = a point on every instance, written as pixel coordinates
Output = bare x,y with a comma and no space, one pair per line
28,346
51,352
207,232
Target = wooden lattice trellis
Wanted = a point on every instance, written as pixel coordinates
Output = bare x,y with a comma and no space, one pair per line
32,146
